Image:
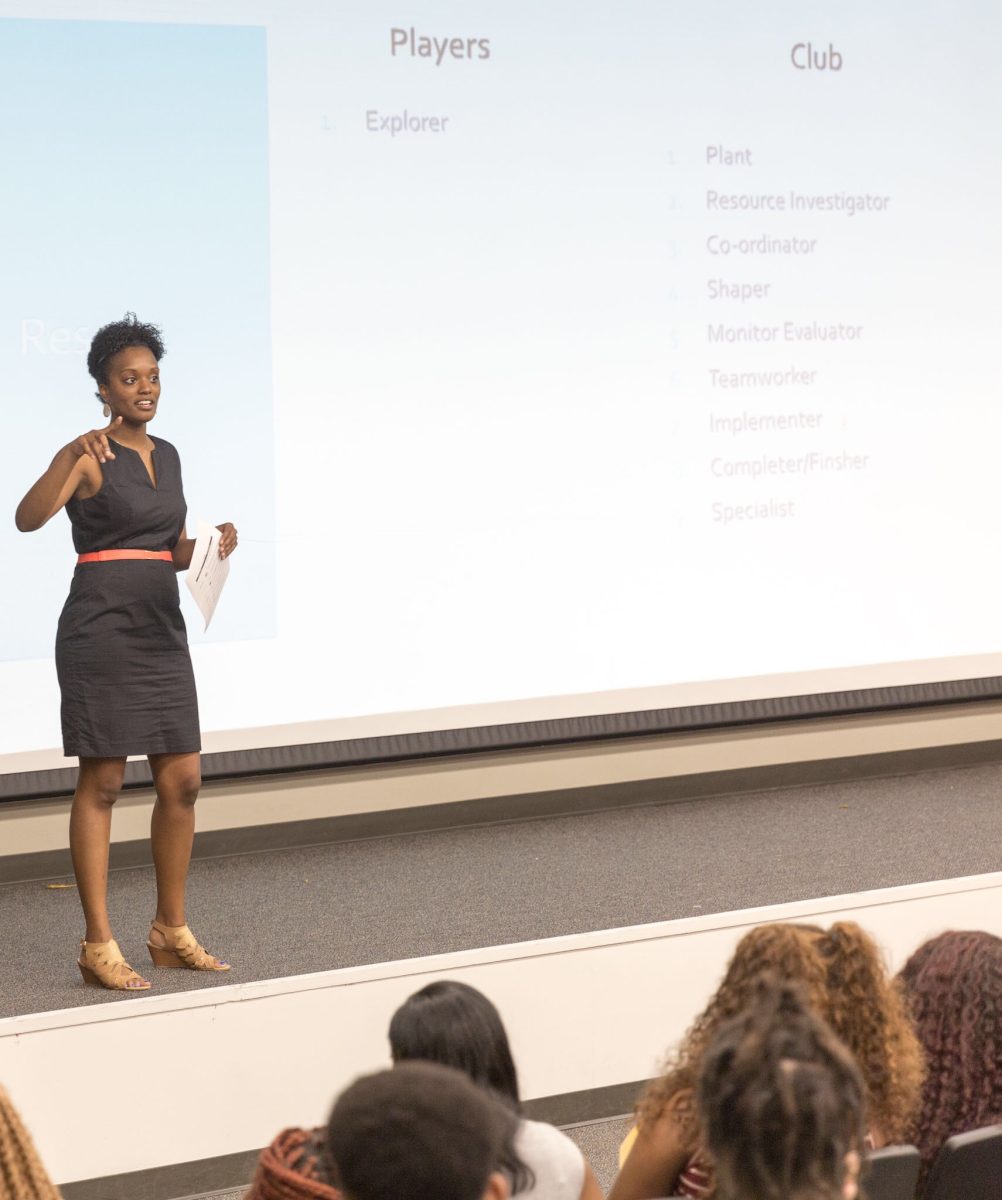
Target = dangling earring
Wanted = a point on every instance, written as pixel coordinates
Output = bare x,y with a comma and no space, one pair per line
107,410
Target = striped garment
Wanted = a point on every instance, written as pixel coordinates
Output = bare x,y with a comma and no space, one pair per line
696,1180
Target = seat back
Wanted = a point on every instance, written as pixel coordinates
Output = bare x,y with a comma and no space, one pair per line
969,1167
891,1173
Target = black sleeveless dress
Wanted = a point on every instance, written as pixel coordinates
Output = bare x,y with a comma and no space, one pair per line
121,646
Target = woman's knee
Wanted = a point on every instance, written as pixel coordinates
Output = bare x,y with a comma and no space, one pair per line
99,783
187,784
177,778
98,795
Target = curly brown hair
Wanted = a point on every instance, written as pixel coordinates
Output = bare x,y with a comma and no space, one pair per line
784,952
867,1010
845,982
953,985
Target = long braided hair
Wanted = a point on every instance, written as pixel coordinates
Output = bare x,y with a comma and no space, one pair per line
781,1101
22,1176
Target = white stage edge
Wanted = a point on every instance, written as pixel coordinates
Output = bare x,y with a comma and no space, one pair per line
156,1080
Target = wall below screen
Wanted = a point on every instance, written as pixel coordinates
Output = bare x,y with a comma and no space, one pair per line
964,733
584,1012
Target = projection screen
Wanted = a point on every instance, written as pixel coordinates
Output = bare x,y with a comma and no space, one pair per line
559,363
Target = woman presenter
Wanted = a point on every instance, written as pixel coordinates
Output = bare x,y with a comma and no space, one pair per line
121,648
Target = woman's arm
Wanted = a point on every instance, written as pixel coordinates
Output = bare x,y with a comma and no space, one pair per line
590,1190
183,548
181,551
72,466
659,1155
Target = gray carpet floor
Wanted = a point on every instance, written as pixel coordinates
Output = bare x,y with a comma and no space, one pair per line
599,1142
238,1195
297,911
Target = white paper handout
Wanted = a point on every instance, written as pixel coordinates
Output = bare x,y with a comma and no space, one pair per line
208,571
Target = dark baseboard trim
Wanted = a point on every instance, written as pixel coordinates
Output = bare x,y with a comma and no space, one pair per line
525,735
596,1104
284,835
229,1172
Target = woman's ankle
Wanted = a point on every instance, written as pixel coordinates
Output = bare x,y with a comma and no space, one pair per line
162,919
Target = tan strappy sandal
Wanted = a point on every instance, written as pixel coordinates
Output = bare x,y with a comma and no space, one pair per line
102,964
179,948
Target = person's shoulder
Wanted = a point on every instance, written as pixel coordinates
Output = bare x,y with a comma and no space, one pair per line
168,457
539,1132
555,1159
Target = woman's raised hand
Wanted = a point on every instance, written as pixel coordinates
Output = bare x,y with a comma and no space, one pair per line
95,443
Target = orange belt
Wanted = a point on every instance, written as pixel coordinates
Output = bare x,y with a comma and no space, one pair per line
115,555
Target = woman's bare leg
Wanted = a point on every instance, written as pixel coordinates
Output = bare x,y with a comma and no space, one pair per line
177,778
98,785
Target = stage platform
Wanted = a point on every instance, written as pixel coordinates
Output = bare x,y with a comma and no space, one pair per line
598,935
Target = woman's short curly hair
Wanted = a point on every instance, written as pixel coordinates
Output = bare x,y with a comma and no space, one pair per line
843,978
953,985
120,335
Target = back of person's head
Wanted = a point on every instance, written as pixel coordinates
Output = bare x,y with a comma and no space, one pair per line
418,1132
953,985
784,952
866,1009
22,1176
454,1024
781,1103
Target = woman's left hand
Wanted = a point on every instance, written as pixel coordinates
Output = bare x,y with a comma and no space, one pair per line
228,542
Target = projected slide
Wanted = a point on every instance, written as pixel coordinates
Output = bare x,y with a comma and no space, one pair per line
552,359
149,196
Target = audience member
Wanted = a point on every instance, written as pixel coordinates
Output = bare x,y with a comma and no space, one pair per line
953,985
781,1102
867,1010
294,1167
418,1132
454,1024
845,982
22,1176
